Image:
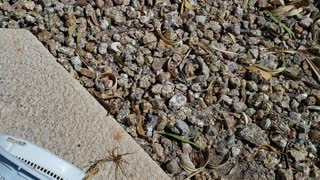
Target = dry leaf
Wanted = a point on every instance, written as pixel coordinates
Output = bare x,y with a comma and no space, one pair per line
266,75
233,39
314,68
316,108
168,41
282,10
246,119
268,148
105,96
71,30
112,77
79,37
295,12
140,129
87,73
94,18
171,68
188,5
182,8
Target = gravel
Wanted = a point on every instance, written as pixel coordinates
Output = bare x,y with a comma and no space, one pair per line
209,97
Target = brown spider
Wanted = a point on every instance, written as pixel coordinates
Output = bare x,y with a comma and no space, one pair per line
115,157
118,160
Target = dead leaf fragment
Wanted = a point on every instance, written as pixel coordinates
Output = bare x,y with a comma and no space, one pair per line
188,5
266,75
94,18
140,129
87,73
168,41
105,96
71,30
112,77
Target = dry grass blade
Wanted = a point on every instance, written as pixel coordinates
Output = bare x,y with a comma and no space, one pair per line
246,118
210,48
233,169
226,160
268,148
207,48
168,41
209,86
140,129
314,68
316,108
105,96
281,24
271,71
280,51
233,39
82,53
94,18
179,138
71,30
245,4
266,72
198,170
243,90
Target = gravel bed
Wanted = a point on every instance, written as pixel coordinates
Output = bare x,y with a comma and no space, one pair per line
210,84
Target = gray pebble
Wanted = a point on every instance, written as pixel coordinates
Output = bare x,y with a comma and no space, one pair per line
103,48
254,135
76,62
104,24
226,99
173,166
201,19
149,38
285,174
177,101
306,22
181,128
167,90
239,107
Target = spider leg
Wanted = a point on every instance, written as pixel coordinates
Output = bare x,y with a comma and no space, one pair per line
122,169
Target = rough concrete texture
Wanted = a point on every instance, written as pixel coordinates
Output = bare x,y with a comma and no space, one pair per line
41,103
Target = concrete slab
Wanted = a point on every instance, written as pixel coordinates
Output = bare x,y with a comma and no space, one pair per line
40,102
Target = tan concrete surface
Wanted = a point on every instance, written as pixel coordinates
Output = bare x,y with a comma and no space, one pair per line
41,103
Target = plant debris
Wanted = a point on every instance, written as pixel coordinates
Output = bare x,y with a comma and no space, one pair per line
231,77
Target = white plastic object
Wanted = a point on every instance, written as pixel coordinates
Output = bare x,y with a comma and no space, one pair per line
44,164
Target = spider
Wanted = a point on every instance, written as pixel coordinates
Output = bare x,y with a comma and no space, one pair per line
118,160
115,157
